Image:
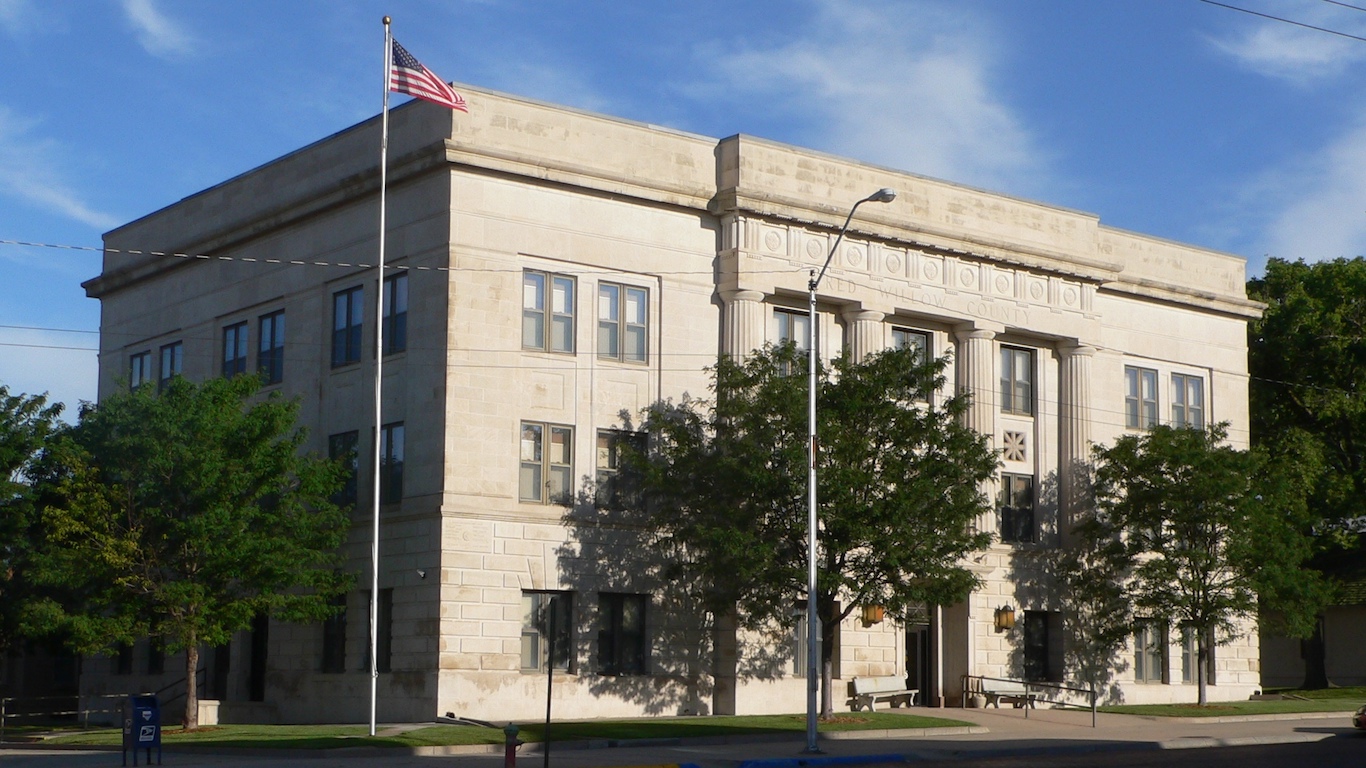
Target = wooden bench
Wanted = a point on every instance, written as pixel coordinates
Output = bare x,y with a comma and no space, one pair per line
997,691
868,690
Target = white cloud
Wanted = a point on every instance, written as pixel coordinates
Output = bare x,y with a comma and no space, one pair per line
1321,201
27,174
898,84
40,366
158,35
1294,53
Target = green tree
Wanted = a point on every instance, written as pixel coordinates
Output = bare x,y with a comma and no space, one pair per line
26,422
183,515
900,482
1198,531
1307,356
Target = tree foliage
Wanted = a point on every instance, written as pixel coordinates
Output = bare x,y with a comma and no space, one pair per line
26,422
182,515
1199,532
1307,356
899,478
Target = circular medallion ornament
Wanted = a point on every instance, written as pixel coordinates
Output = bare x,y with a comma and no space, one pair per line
893,263
931,270
967,277
773,241
1002,284
815,249
1069,296
854,256
1036,291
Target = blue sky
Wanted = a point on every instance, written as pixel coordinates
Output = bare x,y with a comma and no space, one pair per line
1170,117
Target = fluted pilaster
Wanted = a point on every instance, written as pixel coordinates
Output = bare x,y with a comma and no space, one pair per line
977,376
866,332
1074,432
744,322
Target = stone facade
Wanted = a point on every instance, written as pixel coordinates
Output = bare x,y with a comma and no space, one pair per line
708,242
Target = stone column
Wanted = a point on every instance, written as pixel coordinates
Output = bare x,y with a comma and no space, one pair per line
976,359
1074,434
866,332
744,322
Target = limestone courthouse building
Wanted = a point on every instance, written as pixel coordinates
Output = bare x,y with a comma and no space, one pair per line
553,269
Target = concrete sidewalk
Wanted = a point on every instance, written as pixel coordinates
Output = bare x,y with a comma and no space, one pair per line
995,732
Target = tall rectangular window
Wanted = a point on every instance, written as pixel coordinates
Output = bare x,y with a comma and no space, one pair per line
172,363
343,447
621,634
235,349
1189,655
156,656
1017,381
123,660
347,320
792,327
799,640
1188,401
1150,651
270,353
903,338
623,322
616,484
395,313
546,616
1140,397
547,312
547,463
1017,508
334,638
391,463
1036,646
139,369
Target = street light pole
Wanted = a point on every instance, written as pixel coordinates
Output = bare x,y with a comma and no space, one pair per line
883,195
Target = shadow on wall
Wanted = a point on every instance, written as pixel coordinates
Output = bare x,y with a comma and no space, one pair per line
614,553
1066,578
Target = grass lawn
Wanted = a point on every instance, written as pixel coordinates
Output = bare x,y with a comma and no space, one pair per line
1326,700
334,736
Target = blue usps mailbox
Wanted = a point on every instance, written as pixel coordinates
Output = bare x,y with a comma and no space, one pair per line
141,727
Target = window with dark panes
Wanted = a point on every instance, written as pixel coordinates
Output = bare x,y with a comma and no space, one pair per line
1150,651
348,315
904,338
139,369
172,363
334,638
621,634
235,349
384,630
391,464
1036,646
344,447
270,353
1016,504
616,484
396,313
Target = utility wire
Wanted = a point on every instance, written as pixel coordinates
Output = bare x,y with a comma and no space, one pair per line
1346,5
1290,21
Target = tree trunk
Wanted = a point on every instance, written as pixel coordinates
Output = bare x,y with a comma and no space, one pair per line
1201,652
829,630
191,718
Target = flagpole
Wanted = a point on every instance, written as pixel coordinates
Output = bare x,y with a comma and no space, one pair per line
379,381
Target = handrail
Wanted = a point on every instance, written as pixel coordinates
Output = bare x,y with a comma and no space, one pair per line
1027,684
82,711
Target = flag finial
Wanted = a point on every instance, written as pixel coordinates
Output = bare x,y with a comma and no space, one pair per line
386,21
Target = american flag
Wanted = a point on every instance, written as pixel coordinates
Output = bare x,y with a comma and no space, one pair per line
407,75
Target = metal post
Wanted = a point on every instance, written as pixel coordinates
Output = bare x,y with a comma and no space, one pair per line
553,602
883,195
1093,705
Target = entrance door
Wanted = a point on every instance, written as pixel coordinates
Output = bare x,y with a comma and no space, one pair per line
918,655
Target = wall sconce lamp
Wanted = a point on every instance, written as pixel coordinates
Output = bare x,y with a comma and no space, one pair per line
1005,618
873,614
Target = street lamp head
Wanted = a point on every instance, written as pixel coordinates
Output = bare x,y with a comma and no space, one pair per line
884,195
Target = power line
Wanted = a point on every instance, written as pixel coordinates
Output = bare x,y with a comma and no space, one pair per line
1290,21
1345,5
